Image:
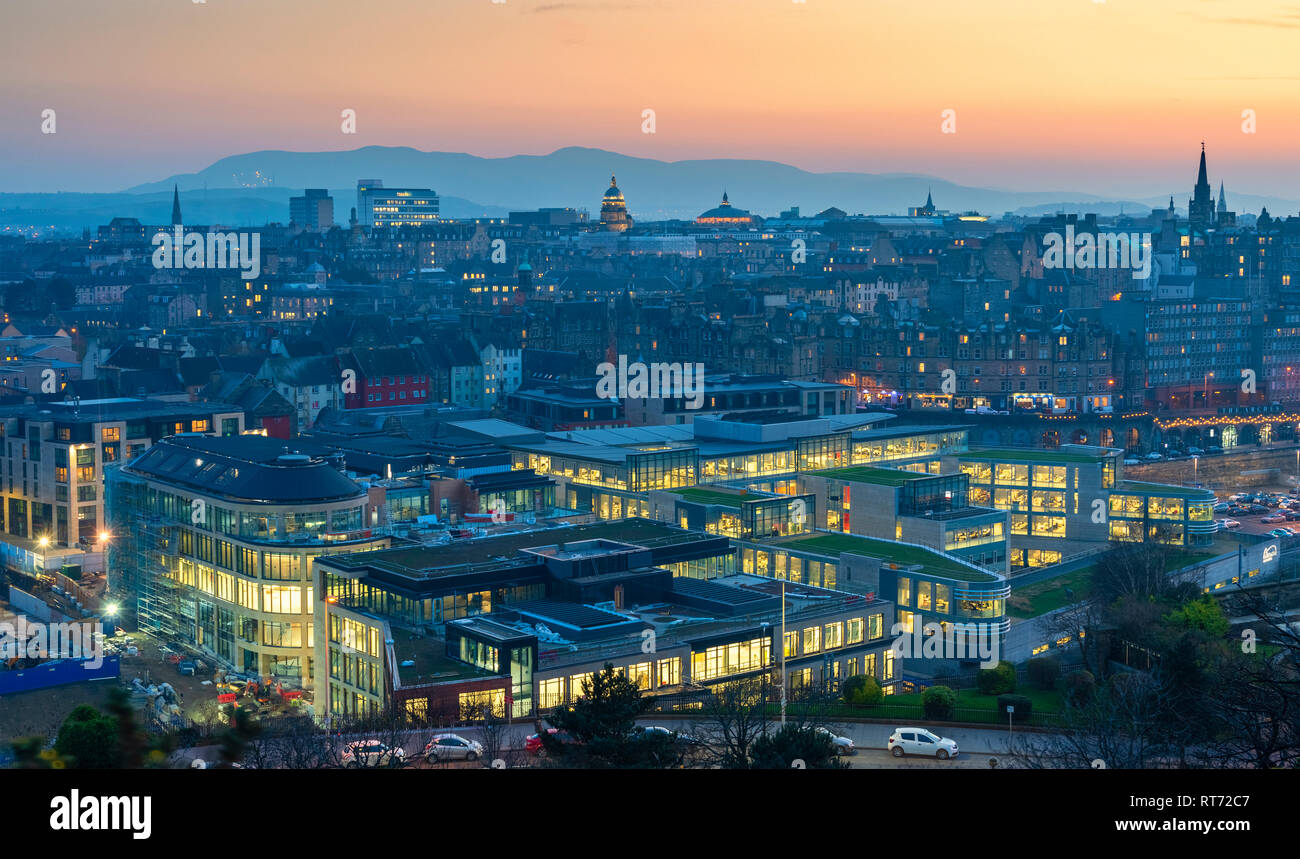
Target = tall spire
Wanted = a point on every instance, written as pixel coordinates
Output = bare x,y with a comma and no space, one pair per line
1223,201
1201,177
929,200
176,206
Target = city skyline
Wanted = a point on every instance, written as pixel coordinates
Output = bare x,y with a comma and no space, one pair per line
823,85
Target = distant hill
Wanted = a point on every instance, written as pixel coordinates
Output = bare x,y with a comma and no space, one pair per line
254,188
226,206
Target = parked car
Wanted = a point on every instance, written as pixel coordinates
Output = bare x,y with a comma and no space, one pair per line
533,743
373,753
1272,518
921,741
677,736
185,667
1213,450
1292,515
1280,532
452,747
1256,509
1222,507
841,745
1132,461
1153,457
1228,523
1195,451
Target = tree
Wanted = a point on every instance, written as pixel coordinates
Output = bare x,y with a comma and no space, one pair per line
1043,672
939,702
601,725
796,743
997,680
1119,729
1136,569
732,720
1203,614
88,738
862,690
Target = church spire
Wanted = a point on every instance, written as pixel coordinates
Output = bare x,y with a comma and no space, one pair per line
1223,201
176,206
1202,177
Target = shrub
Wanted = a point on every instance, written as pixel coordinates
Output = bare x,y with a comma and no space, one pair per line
89,738
1023,707
862,690
938,702
1079,686
999,680
1043,672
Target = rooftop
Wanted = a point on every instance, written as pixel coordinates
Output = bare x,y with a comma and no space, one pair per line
247,468
1032,455
870,474
717,495
899,553
1164,489
422,561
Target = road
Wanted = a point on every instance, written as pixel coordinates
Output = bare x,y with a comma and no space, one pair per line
977,745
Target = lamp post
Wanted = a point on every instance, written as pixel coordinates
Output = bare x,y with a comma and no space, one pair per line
782,653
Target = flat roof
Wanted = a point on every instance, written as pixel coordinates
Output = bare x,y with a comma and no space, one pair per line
871,474
1162,489
717,495
415,560
899,553
1032,455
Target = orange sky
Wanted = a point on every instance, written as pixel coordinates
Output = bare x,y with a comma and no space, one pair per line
1109,97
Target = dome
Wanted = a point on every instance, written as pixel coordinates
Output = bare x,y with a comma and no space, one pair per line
725,213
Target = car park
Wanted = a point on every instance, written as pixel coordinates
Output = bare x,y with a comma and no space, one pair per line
921,741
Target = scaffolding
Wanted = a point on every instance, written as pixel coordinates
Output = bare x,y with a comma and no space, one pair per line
143,562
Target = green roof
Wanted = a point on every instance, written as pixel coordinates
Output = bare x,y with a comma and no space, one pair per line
870,474
725,497
899,553
1028,455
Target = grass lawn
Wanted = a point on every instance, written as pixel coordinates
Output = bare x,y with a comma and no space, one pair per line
1049,595
1180,558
